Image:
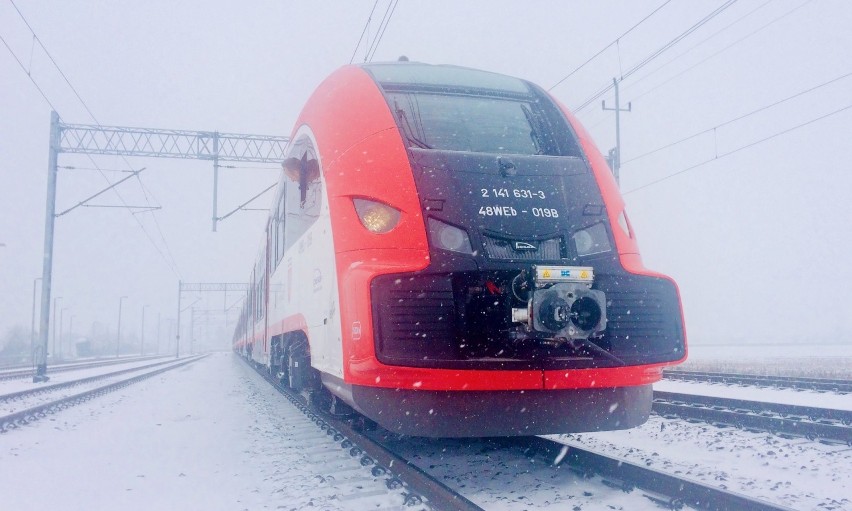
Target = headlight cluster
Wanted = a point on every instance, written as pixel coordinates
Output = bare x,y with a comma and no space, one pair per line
376,216
591,240
449,237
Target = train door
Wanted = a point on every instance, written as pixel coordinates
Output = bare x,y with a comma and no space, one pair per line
265,295
308,232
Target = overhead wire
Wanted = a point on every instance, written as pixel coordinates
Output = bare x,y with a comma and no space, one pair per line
382,27
630,85
697,44
741,148
366,25
24,69
170,261
702,61
608,46
738,118
706,19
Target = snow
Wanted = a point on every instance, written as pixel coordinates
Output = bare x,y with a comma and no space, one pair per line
498,478
798,473
771,395
213,435
210,435
17,385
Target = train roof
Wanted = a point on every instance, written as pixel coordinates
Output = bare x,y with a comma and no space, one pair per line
393,75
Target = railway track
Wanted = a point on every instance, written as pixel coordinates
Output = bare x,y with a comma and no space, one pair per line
15,374
785,382
419,489
807,421
540,463
31,413
49,388
676,491
380,450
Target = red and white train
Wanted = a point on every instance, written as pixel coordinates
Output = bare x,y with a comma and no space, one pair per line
449,255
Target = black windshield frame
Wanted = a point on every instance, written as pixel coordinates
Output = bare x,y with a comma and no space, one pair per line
548,130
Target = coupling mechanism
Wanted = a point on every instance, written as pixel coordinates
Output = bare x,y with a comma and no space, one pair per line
560,302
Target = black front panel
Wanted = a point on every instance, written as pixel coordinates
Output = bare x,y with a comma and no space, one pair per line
504,186
643,318
523,248
524,198
455,321
457,312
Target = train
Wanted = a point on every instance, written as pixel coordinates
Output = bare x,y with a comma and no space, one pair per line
448,255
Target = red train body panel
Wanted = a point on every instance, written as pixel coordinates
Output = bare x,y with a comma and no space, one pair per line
448,254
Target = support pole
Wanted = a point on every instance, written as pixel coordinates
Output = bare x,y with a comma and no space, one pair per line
616,157
55,308
177,338
158,334
118,335
32,322
47,266
215,178
142,344
191,328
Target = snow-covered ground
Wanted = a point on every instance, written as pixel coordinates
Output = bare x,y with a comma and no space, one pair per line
9,386
785,396
798,473
211,435
499,478
806,359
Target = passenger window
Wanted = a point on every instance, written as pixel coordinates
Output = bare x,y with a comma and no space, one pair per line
302,191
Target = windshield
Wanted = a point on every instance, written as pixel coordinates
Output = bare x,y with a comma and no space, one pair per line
457,109
479,124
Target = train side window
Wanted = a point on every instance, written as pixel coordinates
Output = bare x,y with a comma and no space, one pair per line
277,253
302,192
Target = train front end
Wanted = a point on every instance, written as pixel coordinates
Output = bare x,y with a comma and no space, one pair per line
527,310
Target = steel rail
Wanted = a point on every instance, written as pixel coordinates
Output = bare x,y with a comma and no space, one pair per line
666,489
791,382
74,383
807,421
28,372
34,413
422,488
681,491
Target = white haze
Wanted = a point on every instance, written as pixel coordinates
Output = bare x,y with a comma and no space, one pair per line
757,240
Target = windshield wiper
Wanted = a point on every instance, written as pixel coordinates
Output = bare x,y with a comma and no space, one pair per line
409,132
536,139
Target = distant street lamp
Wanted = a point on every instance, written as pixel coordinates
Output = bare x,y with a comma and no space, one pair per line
61,322
191,329
53,350
118,335
32,324
70,332
158,333
142,351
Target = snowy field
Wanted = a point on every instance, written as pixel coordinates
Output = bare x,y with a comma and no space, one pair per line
769,395
784,359
210,435
797,473
17,385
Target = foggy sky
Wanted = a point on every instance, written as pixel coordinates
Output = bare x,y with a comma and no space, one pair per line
757,240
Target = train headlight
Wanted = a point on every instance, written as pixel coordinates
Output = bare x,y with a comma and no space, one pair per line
376,216
591,240
449,237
